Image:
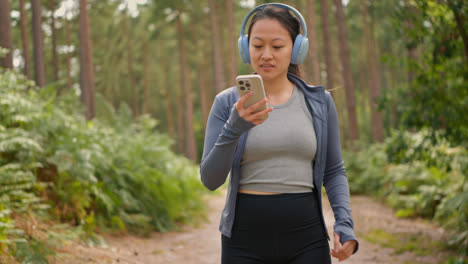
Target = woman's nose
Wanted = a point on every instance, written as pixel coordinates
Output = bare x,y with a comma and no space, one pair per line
267,53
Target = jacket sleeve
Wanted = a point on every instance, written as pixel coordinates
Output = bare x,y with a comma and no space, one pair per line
223,130
335,180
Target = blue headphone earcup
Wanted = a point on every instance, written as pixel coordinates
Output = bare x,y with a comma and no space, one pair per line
243,45
300,48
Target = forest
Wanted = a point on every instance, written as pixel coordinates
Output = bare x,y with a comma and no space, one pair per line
104,103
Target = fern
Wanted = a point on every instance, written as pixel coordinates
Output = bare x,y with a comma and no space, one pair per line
113,172
419,174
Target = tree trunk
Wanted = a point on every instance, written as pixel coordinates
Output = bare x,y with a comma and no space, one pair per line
167,96
203,66
347,74
220,83
145,109
180,121
232,43
169,113
131,74
86,63
327,45
5,34
460,19
24,40
374,80
313,48
68,41
394,103
412,51
54,40
190,146
203,81
39,70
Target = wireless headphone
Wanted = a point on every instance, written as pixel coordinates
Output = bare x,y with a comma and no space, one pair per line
301,43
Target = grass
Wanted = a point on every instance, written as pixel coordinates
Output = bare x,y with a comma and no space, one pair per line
418,243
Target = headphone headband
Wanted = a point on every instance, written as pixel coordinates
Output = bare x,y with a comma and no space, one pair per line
287,7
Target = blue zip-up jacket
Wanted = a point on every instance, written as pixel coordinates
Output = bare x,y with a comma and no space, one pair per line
225,137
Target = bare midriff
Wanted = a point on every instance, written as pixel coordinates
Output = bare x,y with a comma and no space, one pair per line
257,192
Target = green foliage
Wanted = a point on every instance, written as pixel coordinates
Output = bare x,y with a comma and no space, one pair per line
418,175
437,96
418,243
117,173
33,252
366,170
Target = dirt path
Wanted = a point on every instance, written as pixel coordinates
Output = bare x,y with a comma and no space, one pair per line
201,245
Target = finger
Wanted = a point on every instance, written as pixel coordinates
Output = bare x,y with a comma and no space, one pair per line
336,242
242,100
259,114
349,247
239,105
342,255
257,105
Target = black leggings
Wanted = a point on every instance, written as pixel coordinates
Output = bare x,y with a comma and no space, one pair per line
276,229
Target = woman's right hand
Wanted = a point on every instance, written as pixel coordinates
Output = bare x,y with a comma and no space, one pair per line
248,113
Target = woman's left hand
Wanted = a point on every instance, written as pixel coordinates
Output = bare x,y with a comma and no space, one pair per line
342,252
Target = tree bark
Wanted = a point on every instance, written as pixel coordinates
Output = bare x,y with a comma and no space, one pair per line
220,83
347,74
232,43
374,82
190,146
131,74
54,40
203,67
180,121
145,107
412,51
394,103
167,96
86,63
68,41
6,40
39,70
460,19
313,40
203,82
327,45
24,41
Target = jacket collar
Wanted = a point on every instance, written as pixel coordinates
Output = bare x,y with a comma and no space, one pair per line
315,93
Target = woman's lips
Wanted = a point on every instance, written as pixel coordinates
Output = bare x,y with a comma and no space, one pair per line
267,67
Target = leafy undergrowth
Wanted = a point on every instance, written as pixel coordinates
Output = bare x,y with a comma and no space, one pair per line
420,175
416,243
111,174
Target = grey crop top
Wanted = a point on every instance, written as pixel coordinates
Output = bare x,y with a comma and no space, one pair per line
278,153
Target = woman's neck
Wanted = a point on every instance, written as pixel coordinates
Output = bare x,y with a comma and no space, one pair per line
278,90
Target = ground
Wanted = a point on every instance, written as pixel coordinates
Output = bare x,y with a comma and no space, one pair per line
201,245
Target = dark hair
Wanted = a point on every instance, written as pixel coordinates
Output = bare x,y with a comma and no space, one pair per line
286,19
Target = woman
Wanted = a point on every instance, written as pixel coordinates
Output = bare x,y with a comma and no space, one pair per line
273,211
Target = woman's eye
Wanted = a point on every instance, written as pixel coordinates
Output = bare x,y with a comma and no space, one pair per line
257,46
277,47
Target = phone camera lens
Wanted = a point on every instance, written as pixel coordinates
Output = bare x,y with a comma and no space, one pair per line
242,88
241,82
247,84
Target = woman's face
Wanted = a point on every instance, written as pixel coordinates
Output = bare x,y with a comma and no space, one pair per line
270,48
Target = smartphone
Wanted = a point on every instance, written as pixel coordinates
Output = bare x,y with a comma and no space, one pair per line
252,83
